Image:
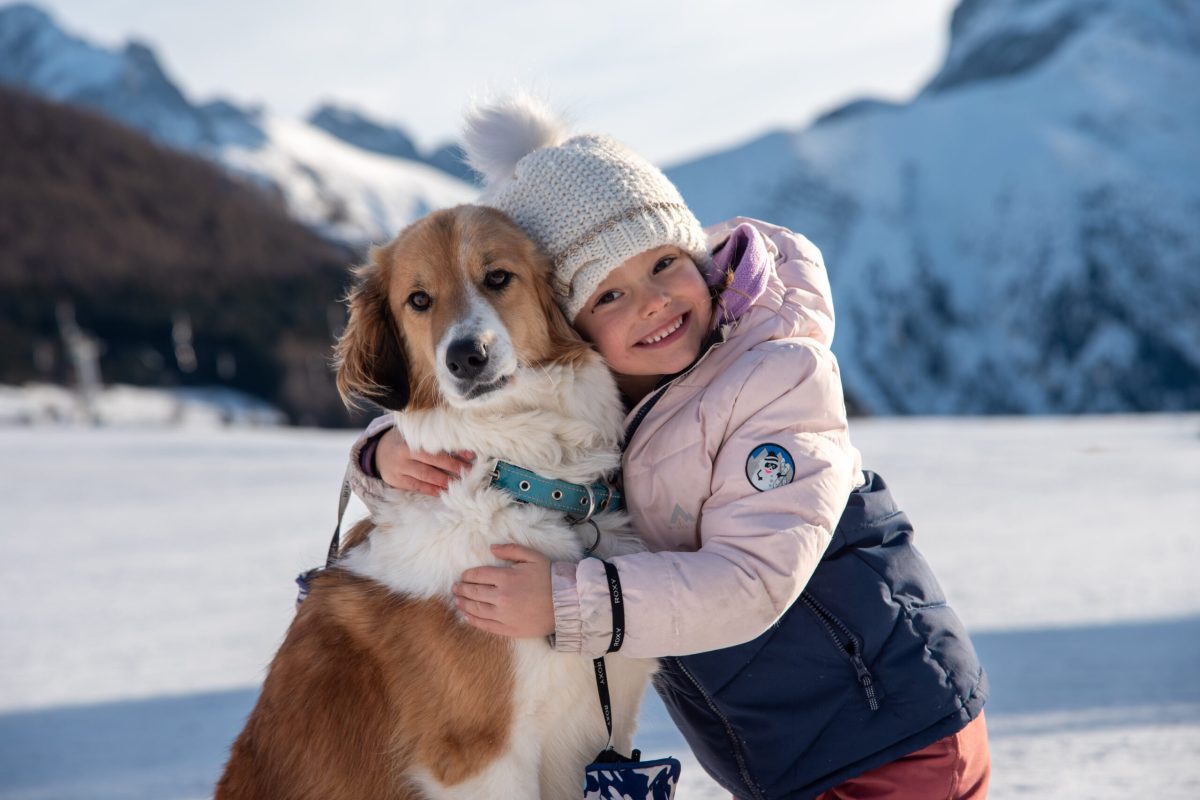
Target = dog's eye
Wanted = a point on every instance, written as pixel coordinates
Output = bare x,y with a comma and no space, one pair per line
420,301
497,279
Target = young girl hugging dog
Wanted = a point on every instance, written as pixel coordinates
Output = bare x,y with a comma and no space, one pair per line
806,648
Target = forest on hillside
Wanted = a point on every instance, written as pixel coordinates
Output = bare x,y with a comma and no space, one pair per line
179,274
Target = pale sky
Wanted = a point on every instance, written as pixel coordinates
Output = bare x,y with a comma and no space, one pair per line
671,78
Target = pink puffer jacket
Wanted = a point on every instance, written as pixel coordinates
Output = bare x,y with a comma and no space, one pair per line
728,554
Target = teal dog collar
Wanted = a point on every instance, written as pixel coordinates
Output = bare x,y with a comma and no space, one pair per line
575,500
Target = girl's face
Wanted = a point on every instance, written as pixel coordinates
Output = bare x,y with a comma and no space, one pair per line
650,315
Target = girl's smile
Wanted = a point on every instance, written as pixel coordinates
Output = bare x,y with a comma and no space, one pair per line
649,317
666,334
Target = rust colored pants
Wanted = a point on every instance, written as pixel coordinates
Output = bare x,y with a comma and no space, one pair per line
954,768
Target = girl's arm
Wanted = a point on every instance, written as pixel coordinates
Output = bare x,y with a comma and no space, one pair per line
410,470
364,479
381,464
757,548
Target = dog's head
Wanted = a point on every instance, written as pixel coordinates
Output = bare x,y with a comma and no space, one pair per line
451,310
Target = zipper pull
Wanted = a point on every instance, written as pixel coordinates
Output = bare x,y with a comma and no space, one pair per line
865,680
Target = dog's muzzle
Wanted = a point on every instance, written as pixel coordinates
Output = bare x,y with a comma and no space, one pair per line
466,359
470,365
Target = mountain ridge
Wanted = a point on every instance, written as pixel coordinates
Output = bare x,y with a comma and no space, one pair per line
335,187
1017,238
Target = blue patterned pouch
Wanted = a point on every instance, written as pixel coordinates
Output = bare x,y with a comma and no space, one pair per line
618,779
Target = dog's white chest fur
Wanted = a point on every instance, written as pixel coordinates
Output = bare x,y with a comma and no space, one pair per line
560,423
422,545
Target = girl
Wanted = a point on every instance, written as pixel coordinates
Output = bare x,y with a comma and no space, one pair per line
806,647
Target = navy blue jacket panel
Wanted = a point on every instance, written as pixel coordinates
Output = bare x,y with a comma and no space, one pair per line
868,665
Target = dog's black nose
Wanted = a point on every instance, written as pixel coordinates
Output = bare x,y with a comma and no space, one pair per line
466,358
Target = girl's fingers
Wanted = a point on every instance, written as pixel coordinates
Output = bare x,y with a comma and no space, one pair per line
411,470
476,609
409,484
490,576
443,462
480,592
413,476
484,624
517,553
424,473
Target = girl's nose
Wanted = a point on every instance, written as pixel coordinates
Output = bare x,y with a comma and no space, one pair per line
655,300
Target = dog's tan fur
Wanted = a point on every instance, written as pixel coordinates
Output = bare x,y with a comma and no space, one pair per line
438,258
338,720
371,687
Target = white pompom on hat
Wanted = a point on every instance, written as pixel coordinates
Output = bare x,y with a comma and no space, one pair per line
588,201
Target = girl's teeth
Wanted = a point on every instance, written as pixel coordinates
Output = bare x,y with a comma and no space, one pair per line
665,333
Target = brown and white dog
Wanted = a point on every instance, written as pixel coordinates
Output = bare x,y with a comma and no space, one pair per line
380,690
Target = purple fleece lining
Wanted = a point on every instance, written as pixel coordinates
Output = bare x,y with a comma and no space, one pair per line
366,456
746,253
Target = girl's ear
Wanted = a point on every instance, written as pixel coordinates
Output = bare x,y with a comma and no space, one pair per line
369,354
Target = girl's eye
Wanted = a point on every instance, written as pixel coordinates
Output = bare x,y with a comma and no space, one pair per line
607,297
663,263
420,301
497,279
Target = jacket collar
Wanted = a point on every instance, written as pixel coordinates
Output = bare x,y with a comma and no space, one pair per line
745,259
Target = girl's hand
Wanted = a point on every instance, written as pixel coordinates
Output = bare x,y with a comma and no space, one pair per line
511,601
416,470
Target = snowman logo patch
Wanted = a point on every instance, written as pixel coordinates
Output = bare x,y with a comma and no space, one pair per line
769,467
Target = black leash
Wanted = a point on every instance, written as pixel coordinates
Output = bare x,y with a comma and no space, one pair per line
335,545
618,638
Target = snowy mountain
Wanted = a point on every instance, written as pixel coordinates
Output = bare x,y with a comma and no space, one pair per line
354,127
348,193
1020,237
129,85
342,190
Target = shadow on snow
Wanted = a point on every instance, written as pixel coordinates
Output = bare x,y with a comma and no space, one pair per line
174,747
1127,665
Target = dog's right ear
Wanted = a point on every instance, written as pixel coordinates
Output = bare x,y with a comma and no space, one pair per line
370,356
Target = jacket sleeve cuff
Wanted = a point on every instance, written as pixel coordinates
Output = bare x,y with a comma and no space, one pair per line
369,487
568,627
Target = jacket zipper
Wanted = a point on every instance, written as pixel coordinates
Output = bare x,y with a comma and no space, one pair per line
660,391
642,412
733,741
848,643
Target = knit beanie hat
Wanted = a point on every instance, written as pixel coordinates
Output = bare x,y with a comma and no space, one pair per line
589,202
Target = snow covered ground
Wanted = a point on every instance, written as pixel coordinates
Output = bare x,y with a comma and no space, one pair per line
119,405
147,580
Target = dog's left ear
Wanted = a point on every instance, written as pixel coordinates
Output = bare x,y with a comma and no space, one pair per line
370,356
565,342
